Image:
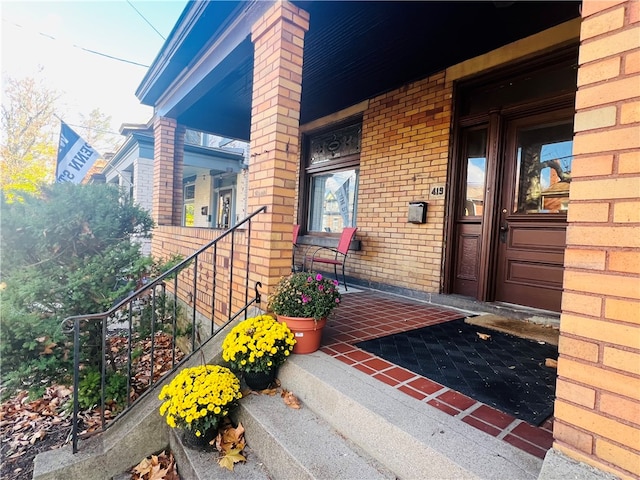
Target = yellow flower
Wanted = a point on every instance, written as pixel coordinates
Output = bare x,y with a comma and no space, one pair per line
257,343
194,394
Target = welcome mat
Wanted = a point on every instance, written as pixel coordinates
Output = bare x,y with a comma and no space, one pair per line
497,369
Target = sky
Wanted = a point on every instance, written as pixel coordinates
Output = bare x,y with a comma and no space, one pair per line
52,35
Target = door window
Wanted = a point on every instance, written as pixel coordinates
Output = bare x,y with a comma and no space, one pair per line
188,202
543,172
476,156
225,198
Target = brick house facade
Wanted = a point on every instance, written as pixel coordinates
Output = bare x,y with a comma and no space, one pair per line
406,149
597,411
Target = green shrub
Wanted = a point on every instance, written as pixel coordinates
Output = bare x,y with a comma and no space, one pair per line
67,252
89,390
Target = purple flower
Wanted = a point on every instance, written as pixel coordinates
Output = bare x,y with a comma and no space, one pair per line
320,287
309,279
305,298
335,282
337,300
318,277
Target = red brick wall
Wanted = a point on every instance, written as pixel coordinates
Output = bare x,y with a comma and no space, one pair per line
598,390
405,146
185,241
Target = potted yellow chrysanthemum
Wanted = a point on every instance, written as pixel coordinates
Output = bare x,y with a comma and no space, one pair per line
256,347
197,399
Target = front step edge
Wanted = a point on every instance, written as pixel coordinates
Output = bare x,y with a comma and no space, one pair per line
411,438
299,444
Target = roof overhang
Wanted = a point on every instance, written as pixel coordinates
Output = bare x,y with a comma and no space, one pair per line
353,51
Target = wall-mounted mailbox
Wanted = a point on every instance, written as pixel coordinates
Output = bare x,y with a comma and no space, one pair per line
417,212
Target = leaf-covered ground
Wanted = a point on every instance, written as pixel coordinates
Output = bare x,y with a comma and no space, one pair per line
28,427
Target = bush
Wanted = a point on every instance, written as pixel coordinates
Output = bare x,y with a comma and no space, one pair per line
67,252
33,349
89,390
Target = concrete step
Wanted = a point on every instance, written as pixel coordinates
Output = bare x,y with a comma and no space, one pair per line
410,438
282,443
202,465
299,444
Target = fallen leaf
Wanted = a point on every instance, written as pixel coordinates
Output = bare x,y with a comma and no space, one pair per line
158,473
231,458
143,467
229,438
39,435
550,362
156,467
484,336
290,399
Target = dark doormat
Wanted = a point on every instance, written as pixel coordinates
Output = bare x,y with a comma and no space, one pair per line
502,371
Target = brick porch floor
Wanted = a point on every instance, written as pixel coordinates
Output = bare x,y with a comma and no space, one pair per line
367,315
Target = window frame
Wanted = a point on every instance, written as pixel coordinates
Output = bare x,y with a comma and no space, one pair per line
309,170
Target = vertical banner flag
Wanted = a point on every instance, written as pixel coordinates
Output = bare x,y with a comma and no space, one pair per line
75,156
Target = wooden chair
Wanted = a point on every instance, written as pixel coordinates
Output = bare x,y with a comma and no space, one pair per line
341,253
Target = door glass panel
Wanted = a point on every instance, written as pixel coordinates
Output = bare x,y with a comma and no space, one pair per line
543,174
476,154
224,208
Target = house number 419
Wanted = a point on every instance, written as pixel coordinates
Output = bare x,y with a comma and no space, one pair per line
437,191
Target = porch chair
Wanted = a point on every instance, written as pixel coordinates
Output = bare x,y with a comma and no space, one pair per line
340,256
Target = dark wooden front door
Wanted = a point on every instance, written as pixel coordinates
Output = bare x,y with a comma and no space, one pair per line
510,179
533,210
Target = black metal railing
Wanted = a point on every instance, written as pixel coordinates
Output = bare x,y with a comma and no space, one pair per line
124,351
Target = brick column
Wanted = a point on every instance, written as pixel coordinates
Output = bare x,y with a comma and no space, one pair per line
597,409
164,134
178,173
168,157
278,39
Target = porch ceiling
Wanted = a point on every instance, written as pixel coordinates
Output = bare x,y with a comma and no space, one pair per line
356,50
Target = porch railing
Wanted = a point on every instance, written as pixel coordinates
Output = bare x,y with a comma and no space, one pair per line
121,354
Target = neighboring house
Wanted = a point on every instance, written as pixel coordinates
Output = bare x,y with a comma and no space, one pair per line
490,112
213,178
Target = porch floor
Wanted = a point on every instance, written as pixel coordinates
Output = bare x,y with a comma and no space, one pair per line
364,315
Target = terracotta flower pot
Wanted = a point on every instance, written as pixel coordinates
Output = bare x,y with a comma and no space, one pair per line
307,332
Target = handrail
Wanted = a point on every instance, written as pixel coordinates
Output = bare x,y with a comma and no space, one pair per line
139,302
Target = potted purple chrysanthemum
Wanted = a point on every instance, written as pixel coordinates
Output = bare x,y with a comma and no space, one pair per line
303,301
